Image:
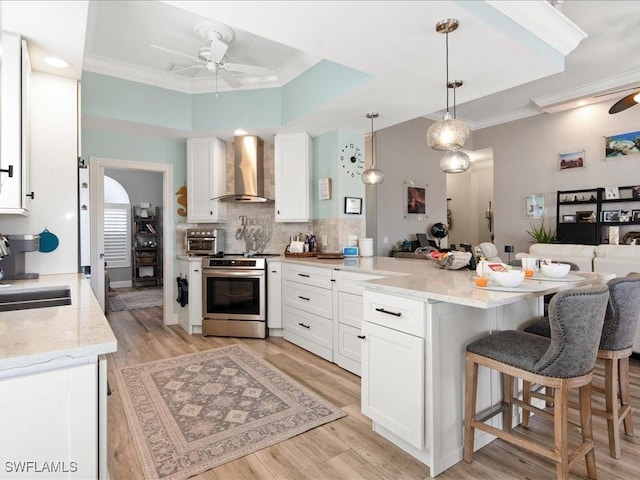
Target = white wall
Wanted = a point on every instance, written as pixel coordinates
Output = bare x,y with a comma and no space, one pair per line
54,174
402,154
526,162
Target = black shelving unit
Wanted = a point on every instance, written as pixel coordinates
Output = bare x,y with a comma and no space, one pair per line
606,213
147,246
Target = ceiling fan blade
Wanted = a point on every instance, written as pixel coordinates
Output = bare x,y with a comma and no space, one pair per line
624,103
195,59
232,81
241,68
217,50
184,69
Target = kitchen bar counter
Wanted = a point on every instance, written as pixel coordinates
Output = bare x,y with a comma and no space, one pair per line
40,335
422,280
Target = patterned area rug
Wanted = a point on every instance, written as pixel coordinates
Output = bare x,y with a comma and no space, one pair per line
191,413
135,299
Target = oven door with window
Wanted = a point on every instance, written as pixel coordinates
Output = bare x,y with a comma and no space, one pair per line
233,294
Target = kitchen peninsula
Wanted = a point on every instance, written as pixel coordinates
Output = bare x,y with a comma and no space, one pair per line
53,382
415,324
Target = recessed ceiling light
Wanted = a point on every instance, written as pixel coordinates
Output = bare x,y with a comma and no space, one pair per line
240,132
56,62
581,103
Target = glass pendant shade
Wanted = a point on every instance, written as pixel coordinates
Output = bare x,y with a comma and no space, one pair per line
455,162
448,134
372,176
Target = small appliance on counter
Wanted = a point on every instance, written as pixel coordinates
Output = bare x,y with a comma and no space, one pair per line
204,241
13,262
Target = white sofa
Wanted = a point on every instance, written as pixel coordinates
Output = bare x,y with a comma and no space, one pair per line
616,259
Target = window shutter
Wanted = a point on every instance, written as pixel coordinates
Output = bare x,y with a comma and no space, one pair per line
117,240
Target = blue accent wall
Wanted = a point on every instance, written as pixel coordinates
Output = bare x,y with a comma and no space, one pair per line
324,166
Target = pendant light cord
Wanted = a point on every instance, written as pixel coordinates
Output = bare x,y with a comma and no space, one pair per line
373,146
446,39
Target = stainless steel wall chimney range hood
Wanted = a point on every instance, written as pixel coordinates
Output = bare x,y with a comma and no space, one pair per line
248,171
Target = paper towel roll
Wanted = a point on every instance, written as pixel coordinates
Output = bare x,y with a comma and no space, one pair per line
366,247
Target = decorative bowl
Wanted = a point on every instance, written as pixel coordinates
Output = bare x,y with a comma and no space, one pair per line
555,270
453,260
510,278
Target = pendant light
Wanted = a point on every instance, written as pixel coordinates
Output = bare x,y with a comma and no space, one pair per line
455,161
448,134
372,175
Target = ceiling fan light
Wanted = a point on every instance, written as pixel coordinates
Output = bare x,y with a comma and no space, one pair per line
636,98
372,176
448,134
455,162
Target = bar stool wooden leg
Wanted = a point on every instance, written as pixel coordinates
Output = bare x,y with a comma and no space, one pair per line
507,395
611,405
560,430
586,426
526,399
625,395
471,390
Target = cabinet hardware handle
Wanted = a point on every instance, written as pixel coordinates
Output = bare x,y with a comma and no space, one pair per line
8,170
303,298
362,337
274,271
304,275
303,325
196,271
333,279
32,195
382,310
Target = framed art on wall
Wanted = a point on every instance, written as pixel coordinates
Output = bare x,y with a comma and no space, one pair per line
622,144
534,205
414,200
353,205
571,160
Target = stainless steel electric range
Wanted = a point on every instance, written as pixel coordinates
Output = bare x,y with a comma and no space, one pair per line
234,293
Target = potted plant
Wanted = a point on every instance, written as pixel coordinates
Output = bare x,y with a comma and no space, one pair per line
541,234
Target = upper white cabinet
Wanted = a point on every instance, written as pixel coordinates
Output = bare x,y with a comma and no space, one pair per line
15,193
206,179
293,177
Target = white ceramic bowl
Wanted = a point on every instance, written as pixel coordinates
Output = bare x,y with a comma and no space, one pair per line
555,270
511,278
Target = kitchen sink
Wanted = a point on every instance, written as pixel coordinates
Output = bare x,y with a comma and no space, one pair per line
35,297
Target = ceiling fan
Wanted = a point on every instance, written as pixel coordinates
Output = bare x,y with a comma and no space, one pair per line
625,102
213,58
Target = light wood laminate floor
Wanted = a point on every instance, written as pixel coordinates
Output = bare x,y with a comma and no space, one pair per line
344,449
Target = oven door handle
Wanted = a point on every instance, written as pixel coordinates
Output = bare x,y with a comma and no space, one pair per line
233,273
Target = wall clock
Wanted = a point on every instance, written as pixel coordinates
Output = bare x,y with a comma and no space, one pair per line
351,160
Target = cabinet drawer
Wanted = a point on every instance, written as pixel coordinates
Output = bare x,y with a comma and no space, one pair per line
317,276
308,326
350,309
398,313
308,298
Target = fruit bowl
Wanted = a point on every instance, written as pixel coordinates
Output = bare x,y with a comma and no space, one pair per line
555,270
452,260
510,278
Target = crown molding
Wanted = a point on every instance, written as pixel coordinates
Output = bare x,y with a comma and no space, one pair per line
545,22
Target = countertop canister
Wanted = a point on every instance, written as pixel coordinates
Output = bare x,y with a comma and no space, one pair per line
366,247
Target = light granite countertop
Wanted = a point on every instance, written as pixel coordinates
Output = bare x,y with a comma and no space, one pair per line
41,336
422,280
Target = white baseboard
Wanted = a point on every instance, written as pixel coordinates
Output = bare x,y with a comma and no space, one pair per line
121,284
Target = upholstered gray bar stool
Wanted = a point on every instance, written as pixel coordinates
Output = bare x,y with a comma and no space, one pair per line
563,361
618,331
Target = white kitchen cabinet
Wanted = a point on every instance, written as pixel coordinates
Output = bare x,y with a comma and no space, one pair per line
206,179
308,309
15,192
274,298
190,316
393,366
293,155
52,416
347,325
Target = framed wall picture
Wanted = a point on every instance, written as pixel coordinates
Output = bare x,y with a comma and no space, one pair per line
611,193
534,206
635,215
414,200
622,144
571,160
568,219
586,216
353,205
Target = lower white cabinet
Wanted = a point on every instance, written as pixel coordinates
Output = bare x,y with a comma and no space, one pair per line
274,298
393,366
190,316
50,418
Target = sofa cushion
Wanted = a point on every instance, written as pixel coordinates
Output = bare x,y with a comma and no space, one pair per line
581,255
617,259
